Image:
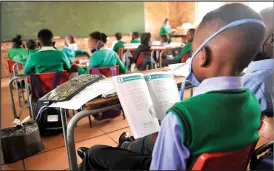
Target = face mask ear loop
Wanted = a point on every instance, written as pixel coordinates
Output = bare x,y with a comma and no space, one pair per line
230,25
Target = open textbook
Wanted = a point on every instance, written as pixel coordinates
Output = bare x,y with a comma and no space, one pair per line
145,99
180,69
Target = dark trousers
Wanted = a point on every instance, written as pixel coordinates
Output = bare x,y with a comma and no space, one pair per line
142,145
101,157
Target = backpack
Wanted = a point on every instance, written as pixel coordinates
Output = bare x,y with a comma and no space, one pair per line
47,118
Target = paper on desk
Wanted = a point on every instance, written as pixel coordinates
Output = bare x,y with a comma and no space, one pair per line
179,70
87,94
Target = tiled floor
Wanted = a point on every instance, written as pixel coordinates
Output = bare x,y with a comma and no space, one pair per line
54,156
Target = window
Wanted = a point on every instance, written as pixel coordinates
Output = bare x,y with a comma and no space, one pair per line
258,6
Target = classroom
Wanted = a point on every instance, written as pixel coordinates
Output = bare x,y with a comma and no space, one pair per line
137,85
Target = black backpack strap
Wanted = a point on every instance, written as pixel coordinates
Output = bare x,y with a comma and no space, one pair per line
57,79
35,84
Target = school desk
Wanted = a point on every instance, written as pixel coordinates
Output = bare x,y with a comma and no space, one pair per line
93,107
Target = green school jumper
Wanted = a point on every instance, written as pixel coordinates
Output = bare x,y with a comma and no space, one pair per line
48,59
186,48
218,121
33,51
165,30
136,41
104,58
18,55
118,45
71,54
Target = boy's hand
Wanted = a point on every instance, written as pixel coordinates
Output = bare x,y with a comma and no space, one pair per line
74,67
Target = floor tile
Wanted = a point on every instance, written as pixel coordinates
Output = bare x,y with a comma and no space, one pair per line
13,166
51,160
268,131
84,132
115,135
262,141
53,142
113,125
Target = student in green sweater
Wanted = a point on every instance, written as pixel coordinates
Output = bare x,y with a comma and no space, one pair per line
18,53
48,58
135,37
188,46
32,47
221,115
71,49
102,56
119,44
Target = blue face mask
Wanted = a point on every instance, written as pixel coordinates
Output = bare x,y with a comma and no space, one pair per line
94,49
191,76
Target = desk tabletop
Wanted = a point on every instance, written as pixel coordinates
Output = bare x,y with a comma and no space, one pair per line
21,73
100,101
156,47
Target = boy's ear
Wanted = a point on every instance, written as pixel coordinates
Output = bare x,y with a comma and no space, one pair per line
205,56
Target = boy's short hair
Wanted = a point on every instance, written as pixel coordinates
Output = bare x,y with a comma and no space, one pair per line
246,38
46,36
136,34
118,36
31,44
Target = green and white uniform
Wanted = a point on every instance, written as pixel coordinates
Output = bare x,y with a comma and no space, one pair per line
48,59
118,45
136,40
18,55
104,58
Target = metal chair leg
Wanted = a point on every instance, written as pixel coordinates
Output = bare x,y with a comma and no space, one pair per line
90,122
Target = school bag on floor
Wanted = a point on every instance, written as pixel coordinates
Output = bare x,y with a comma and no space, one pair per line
21,141
48,119
264,162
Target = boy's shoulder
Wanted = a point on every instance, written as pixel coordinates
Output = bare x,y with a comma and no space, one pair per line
49,52
227,98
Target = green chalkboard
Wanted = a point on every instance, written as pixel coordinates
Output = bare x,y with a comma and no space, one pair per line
76,18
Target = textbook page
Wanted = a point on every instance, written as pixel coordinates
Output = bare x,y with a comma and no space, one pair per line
137,104
180,70
163,91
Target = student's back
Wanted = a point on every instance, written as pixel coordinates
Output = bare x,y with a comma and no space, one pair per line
234,126
119,44
17,53
222,115
102,56
48,58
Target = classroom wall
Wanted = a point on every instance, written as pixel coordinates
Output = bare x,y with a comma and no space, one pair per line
177,12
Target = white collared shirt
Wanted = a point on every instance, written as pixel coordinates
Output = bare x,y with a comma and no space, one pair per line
47,48
218,84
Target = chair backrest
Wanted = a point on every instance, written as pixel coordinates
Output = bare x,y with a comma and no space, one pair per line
106,71
11,63
234,160
46,81
141,56
120,53
186,56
